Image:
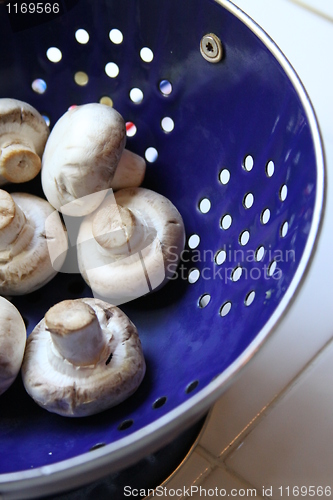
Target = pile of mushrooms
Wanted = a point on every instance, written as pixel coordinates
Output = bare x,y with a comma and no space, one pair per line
85,355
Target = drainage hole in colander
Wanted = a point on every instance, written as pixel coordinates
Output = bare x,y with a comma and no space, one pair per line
136,95
260,253
167,124
165,87
271,268
226,221
131,129
54,54
193,241
111,69
116,36
126,424
284,229
283,192
151,154
220,257
224,176
205,205
204,300
265,216
191,386
82,36
225,309
39,86
248,163
106,100
193,275
159,402
244,237
96,446
146,54
236,273
248,200
47,120
270,167
81,78
249,298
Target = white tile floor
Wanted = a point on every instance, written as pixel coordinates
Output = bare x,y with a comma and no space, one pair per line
271,432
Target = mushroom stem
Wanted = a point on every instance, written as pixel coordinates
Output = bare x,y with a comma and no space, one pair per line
12,220
76,332
116,229
130,171
18,162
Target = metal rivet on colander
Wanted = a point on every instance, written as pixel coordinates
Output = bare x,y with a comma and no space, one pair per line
211,48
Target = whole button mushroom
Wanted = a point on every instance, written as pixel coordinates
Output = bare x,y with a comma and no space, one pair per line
33,243
85,356
23,134
12,343
131,245
81,156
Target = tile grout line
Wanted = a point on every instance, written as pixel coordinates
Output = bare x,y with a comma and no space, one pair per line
242,435
198,480
218,464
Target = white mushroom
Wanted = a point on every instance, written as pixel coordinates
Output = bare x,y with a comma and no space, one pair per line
131,245
12,343
23,134
81,156
31,233
85,356
130,171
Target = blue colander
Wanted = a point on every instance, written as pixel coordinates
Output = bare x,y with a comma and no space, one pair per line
234,144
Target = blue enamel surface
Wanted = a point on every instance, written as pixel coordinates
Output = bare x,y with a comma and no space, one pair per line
245,105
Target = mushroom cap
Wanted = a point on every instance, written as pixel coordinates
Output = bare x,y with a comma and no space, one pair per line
23,135
32,268
81,154
148,263
76,391
12,343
